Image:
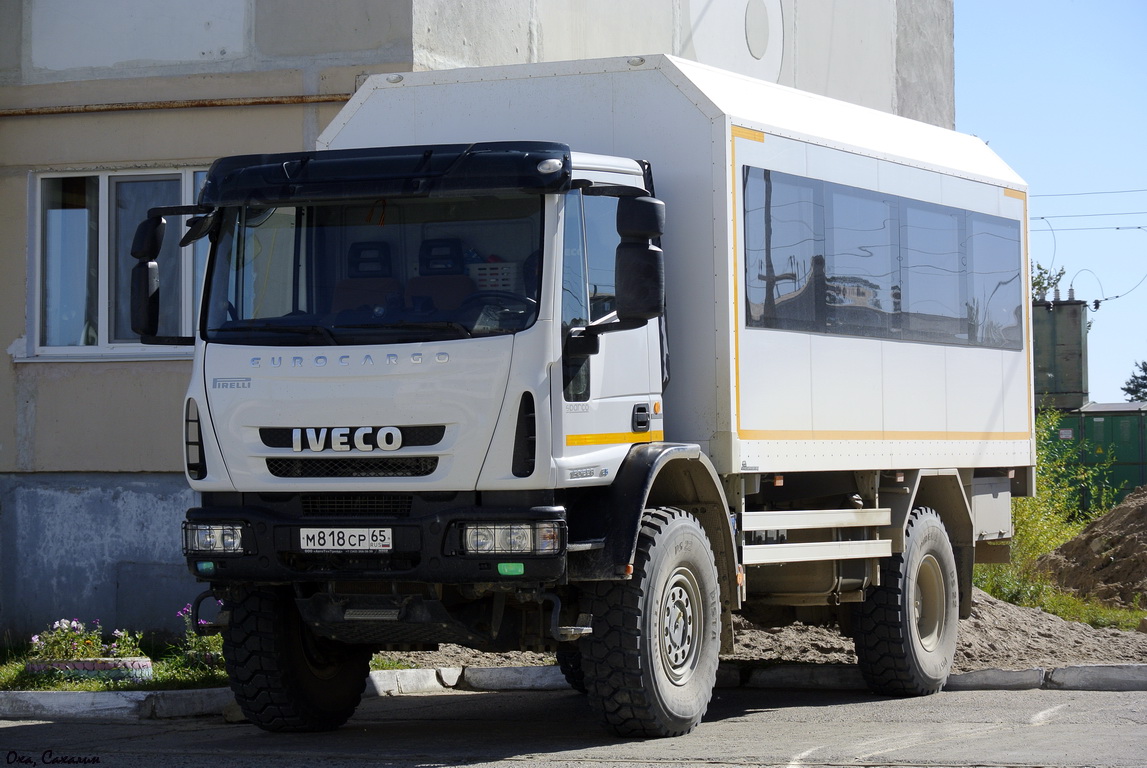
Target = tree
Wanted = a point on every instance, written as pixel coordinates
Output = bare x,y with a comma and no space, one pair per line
1136,386
1044,281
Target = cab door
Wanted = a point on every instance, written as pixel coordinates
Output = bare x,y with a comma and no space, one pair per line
608,400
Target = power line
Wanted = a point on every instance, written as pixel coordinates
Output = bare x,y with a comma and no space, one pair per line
1080,194
1085,215
1089,229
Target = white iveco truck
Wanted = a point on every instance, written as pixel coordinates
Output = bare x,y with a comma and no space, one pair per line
447,388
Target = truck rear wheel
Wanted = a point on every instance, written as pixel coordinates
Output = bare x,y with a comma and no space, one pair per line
905,630
284,676
651,662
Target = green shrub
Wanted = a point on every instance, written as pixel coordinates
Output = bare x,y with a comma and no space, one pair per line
199,651
1052,517
1055,514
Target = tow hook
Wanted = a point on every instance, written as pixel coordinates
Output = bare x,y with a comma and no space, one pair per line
204,628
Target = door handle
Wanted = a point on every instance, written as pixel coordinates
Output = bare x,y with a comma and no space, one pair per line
640,420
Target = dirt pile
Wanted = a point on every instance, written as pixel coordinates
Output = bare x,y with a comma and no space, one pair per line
998,635
1108,559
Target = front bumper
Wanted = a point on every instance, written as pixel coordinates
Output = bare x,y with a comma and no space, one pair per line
426,548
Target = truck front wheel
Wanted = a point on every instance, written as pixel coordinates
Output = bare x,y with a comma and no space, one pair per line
284,676
905,630
651,662
569,662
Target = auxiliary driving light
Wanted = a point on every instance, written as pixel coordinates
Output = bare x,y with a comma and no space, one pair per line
201,537
539,538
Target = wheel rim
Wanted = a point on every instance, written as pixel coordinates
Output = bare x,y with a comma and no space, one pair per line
928,603
680,614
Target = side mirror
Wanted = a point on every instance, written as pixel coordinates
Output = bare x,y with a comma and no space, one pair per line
640,218
640,282
145,248
145,299
148,238
640,265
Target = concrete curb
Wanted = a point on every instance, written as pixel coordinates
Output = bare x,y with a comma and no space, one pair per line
997,680
151,705
1114,677
514,679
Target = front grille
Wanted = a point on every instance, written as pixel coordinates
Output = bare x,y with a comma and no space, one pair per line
398,466
357,504
414,436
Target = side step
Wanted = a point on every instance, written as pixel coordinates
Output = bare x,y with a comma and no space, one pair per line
806,519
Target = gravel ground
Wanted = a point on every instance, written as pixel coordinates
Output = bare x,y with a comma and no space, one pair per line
998,635
1108,561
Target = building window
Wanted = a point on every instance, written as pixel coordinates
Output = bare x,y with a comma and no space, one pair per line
83,263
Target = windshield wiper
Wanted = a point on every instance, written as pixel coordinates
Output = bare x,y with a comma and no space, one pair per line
411,325
307,330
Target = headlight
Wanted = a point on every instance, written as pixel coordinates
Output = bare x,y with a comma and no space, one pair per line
541,538
200,537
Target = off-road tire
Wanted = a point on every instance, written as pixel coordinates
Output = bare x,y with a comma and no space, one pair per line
284,677
569,662
651,662
905,631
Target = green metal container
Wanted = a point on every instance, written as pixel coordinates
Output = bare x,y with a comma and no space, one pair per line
1112,428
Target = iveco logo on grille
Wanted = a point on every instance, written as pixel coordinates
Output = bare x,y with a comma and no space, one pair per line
366,439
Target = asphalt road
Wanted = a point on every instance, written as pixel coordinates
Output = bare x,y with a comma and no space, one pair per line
555,729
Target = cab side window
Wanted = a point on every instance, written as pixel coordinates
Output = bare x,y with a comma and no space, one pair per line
575,297
601,253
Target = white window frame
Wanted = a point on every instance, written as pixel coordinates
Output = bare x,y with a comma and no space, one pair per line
105,349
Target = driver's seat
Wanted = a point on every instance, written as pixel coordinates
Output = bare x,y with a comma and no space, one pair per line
441,282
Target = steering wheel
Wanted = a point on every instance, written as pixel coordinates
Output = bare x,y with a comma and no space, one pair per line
503,299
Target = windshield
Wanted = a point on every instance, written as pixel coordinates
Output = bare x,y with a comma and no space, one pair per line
376,271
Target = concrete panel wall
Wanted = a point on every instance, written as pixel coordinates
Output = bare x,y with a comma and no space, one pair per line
116,39
284,28
845,50
92,547
448,34
10,33
926,61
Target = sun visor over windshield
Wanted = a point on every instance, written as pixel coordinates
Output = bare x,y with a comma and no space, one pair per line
454,169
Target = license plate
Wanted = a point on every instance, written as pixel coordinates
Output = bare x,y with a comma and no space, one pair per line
345,539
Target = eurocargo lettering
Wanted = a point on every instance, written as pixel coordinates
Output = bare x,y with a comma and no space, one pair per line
716,345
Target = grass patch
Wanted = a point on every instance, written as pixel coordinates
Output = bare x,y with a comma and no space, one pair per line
170,673
380,662
167,675
1022,585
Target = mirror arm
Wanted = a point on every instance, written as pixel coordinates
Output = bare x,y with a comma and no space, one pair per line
178,210
173,341
587,341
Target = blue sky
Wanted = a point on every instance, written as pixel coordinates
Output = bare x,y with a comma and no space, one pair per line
1059,90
